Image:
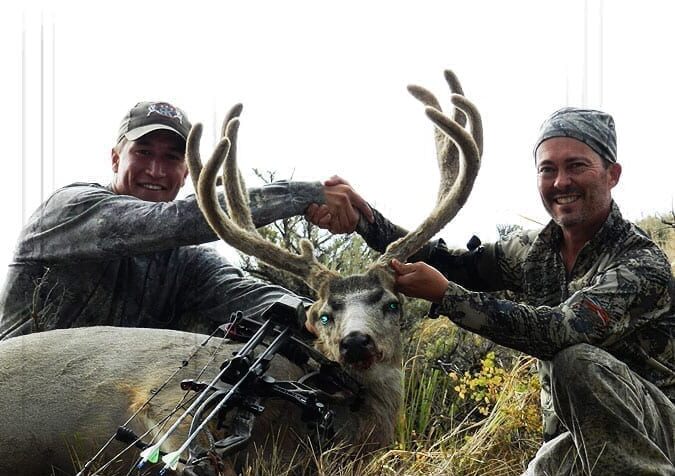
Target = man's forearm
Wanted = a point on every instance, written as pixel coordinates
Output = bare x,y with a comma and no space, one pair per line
475,269
283,199
381,233
599,314
92,223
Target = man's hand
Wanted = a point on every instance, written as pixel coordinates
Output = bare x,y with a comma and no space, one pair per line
419,280
342,210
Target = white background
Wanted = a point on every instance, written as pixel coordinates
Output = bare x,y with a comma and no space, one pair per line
323,87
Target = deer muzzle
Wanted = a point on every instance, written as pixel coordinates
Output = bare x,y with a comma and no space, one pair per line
358,350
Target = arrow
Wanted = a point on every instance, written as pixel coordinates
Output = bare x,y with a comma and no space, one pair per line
243,351
170,457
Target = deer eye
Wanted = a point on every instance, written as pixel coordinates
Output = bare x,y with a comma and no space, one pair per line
324,319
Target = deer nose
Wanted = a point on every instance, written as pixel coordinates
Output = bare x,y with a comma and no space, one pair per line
356,347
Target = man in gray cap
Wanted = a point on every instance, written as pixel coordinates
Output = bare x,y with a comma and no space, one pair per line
125,254
595,307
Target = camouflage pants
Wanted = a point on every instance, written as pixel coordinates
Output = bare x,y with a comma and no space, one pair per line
617,423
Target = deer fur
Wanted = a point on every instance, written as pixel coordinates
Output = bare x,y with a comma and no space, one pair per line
88,381
364,298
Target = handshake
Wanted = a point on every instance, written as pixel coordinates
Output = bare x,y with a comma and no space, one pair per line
342,210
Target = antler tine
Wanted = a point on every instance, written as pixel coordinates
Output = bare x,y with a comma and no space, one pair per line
475,122
424,96
446,151
453,81
427,98
235,188
234,112
192,157
304,265
452,202
455,88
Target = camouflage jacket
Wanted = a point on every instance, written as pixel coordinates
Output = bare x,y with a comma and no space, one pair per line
88,256
616,297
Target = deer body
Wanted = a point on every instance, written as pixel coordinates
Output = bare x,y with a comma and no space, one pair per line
85,382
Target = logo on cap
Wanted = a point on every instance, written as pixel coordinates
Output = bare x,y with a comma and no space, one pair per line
165,109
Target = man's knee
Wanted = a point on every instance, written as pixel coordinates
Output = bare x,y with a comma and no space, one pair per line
587,375
572,354
599,399
578,365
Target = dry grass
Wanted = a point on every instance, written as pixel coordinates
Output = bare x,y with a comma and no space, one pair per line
659,228
441,430
440,435
432,440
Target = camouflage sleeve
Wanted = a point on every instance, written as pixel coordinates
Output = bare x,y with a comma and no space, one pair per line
510,254
629,293
84,222
475,268
379,234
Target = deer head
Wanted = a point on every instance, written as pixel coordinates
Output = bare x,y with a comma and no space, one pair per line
356,318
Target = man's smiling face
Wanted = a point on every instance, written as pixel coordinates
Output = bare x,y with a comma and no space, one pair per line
151,168
575,183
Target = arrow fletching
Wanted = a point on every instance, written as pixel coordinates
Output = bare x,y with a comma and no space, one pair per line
171,460
150,454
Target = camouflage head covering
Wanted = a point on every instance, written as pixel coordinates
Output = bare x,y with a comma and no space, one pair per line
593,128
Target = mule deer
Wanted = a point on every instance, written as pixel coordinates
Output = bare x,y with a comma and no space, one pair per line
67,390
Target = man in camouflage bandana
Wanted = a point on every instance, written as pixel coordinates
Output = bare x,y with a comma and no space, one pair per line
595,310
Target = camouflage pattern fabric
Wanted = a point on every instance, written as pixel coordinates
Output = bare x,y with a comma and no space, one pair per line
621,423
594,128
615,298
90,257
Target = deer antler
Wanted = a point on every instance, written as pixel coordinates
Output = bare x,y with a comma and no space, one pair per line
459,152
239,230
458,149
446,152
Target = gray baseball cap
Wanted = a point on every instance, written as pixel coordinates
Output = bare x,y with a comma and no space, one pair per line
146,117
593,128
